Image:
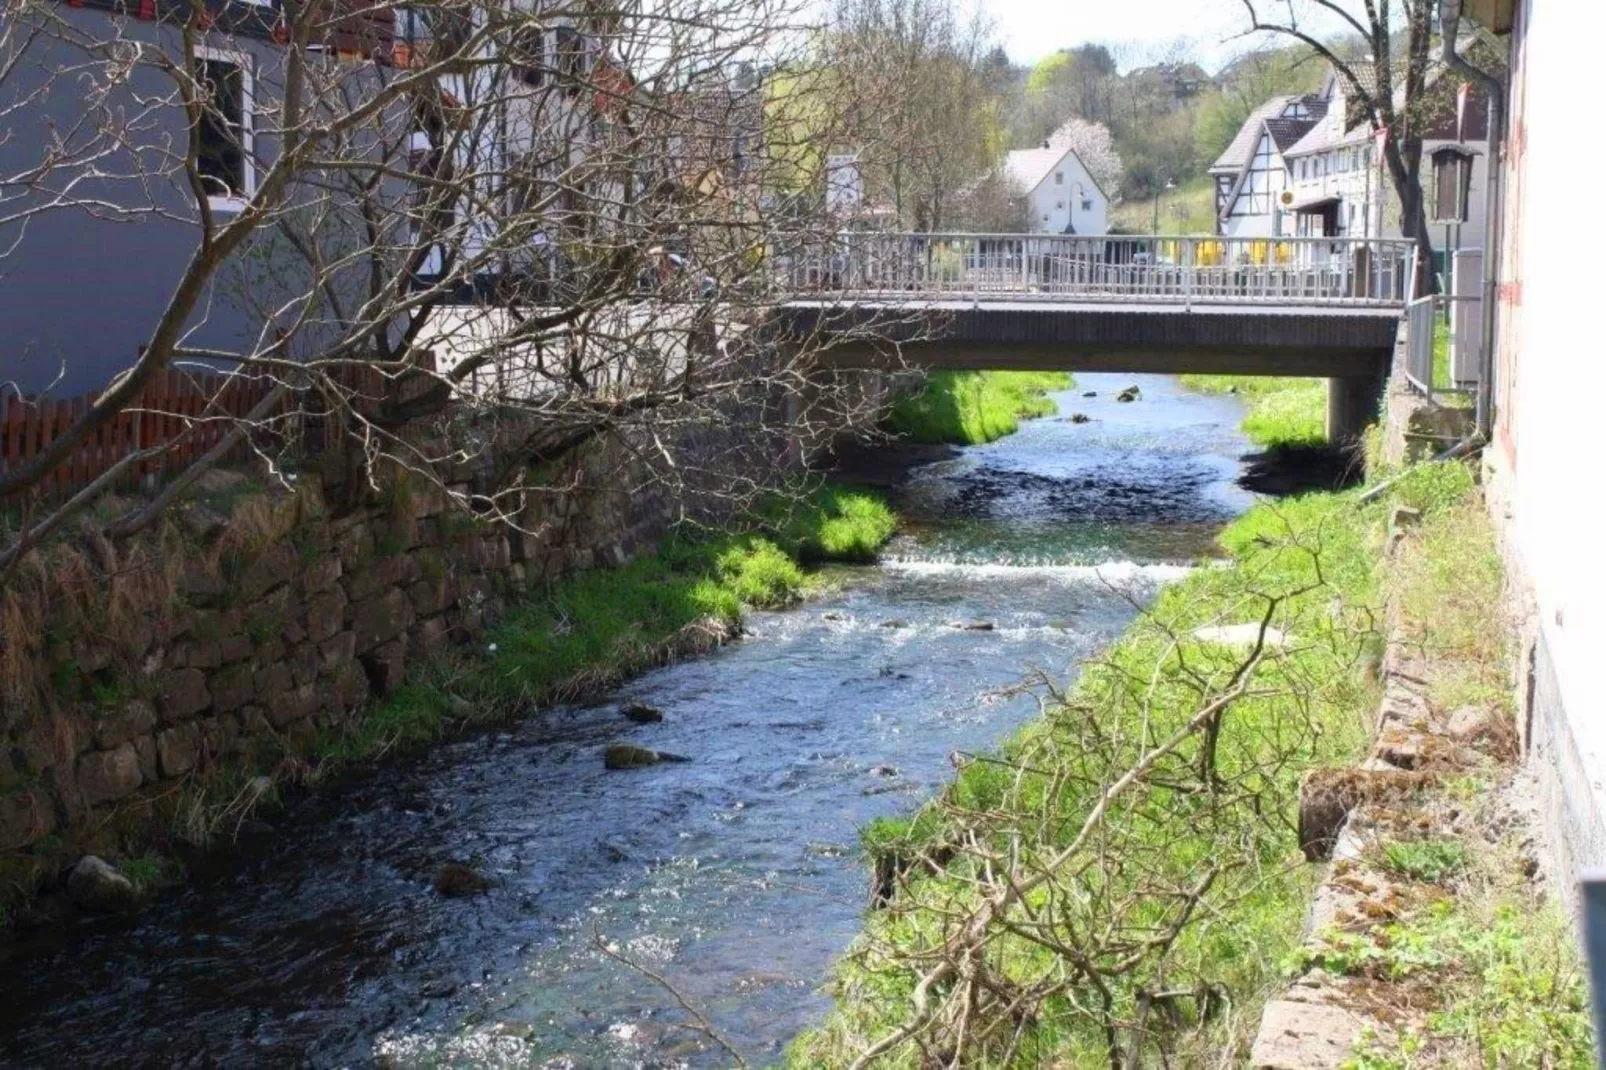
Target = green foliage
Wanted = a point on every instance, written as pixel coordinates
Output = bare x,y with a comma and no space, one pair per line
1188,209
1308,708
591,629
833,523
1281,411
969,408
1429,861
151,872
1505,975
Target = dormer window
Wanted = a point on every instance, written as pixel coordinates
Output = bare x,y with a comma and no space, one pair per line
1059,178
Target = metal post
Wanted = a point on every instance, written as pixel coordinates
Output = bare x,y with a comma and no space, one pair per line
1592,895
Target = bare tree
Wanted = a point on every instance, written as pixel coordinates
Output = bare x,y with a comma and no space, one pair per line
434,234
1386,79
919,100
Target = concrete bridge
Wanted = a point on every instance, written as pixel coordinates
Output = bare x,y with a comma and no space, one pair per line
1327,307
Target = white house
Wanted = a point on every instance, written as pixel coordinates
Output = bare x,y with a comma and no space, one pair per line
1306,166
1061,194
1251,175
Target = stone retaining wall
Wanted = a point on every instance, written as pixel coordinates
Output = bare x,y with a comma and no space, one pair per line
251,654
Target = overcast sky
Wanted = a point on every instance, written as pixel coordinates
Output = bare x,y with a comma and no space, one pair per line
1032,29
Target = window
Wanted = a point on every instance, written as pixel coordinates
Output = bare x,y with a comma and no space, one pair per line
573,59
529,54
1059,205
1059,178
224,136
1087,204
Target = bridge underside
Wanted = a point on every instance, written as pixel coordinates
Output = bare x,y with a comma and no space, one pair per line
1351,347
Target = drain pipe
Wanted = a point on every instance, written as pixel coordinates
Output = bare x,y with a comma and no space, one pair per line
1465,448
1494,193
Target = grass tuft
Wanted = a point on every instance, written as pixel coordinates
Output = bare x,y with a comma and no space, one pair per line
1280,411
969,408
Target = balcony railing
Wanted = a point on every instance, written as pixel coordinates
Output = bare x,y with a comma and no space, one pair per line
1162,270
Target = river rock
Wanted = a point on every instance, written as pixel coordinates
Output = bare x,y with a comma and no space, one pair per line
1090,393
95,884
894,624
1080,418
626,756
884,770
1131,393
973,625
641,713
457,880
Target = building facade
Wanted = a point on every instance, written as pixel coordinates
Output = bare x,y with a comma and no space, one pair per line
1061,194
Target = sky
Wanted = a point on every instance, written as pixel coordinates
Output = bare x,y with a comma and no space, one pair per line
1032,29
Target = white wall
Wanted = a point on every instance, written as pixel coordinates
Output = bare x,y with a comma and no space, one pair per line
1057,205
1560,377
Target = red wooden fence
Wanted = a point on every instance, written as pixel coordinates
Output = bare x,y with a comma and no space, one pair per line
188,413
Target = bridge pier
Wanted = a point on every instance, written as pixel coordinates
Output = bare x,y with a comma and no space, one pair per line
1353,403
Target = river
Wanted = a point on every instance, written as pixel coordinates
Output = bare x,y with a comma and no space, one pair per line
735,876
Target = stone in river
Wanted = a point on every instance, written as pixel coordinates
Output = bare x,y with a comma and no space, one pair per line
456,880
1131,393
1091,394
1079,417
627,756
973,625
641,713
95,884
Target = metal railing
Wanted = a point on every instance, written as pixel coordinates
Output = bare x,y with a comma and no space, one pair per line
1436,326
1163,270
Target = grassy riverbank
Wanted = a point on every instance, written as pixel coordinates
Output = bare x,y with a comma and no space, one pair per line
969,408
1139,837
578,636
591,630
1279,411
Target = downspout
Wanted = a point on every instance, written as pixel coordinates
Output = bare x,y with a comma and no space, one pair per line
1495,89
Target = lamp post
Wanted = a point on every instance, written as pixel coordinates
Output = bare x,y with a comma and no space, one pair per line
1169,186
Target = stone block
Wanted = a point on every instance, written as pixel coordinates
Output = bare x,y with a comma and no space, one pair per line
354,546
339,650
321,574
382,574
145,748
292,705
276,565
431,636
430,597
106,776
380,619
177,749
182,693
135,718
273,680
305,661
326,614
236,647
1304,1036
233,686
350,686
198,654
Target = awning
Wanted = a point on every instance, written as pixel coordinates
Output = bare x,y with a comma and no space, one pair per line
1315,204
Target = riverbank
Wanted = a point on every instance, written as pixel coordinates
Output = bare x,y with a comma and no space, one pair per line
1139,837
972,408
578,637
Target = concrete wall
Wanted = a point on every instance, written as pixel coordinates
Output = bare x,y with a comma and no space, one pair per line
1543,468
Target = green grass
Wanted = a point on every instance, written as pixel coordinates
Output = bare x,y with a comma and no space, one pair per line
1188,209
1309,706
1280,411
969,408
1429,861
591,630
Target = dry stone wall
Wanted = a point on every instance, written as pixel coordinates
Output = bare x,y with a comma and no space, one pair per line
297,638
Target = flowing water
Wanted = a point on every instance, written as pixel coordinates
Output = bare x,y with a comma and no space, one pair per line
734,876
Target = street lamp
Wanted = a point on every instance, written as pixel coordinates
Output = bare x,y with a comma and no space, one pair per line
1169,186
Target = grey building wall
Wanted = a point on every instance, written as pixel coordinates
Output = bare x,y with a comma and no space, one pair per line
80,291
